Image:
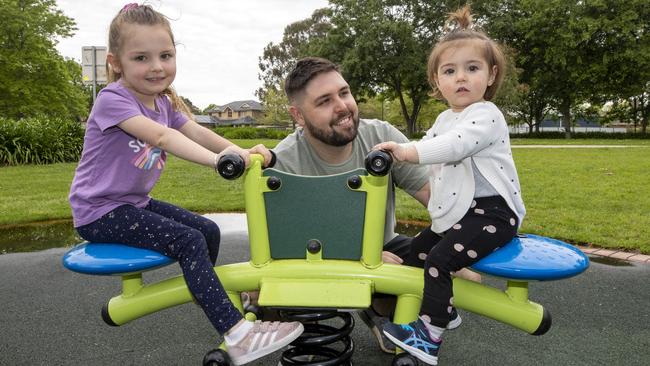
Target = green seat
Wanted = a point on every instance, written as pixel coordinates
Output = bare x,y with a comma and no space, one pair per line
324,209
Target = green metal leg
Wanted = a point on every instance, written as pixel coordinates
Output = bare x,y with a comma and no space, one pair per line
511,307
407,308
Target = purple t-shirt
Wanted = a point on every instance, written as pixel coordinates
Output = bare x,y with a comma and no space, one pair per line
116,168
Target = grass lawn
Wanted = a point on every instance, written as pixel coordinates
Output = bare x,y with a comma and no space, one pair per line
596,196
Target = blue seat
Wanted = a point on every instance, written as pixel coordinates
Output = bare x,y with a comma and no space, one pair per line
534,258
112,259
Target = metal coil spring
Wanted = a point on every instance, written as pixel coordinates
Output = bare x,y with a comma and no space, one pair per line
320,344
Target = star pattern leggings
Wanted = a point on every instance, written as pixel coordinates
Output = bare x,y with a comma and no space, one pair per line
488,225
191,239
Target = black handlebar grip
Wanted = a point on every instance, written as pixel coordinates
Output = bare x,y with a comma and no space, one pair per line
379,162
231,166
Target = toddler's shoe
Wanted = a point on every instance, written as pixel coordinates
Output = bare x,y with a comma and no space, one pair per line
455,320
414,338
264,338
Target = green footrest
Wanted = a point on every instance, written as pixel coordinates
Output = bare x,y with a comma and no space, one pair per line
340,294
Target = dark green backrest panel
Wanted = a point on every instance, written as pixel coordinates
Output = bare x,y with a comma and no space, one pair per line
321,208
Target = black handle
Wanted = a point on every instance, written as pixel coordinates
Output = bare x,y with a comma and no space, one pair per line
231,166
379,162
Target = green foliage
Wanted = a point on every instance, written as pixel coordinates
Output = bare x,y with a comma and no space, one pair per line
278,59
251,133
34,78
571,52
39,141
210,107
194,109
276,107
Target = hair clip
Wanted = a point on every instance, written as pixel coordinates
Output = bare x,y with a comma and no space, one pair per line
130,6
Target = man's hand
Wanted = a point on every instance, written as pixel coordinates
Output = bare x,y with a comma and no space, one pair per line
392,258
262,150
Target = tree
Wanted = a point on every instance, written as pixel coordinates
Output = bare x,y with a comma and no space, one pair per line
276,107
194,109
383,47
210,107
34,78
278,59
576,51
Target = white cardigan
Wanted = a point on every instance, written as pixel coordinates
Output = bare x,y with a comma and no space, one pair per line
479,132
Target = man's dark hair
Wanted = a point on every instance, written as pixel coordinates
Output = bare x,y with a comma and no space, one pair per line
306,69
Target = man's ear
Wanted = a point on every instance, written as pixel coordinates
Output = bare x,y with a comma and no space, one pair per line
296,115
114,62
493,75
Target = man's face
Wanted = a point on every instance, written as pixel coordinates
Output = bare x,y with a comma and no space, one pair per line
327,110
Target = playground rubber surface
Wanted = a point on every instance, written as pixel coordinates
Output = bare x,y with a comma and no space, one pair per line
51,316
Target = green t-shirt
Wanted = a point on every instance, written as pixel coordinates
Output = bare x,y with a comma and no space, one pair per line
295,155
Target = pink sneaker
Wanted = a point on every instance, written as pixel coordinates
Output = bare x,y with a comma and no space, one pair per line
262,339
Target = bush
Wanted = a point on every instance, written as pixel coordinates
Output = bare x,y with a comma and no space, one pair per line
40,140
252,133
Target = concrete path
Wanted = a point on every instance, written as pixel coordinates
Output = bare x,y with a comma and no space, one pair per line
573,146
51,316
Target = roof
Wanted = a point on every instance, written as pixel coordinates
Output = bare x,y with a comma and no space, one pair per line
203,119
240,105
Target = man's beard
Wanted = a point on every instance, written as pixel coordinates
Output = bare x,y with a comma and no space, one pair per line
330,136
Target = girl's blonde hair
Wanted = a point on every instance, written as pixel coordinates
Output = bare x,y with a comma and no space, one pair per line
460,29
141,15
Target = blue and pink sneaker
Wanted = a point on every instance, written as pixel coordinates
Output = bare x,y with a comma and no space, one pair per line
414,338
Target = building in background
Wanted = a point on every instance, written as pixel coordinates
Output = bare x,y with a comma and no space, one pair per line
238,113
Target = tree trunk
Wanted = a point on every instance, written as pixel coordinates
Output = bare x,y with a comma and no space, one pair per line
565,109
405,113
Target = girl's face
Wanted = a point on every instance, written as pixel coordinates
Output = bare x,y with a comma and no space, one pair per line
463,75
147,61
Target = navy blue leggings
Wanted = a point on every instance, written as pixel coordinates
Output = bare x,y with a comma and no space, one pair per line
487,225
191,239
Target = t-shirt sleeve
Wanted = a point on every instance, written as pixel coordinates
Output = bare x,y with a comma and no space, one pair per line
409,177
176,118
112,108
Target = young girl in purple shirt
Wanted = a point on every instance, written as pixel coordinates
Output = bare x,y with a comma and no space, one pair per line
136,120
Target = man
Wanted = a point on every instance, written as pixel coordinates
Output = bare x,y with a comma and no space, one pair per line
333,139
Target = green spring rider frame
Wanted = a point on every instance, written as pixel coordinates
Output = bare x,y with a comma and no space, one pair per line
315,243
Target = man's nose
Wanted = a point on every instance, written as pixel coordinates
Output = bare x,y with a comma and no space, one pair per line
339,105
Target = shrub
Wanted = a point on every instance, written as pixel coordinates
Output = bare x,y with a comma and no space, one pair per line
252,133
40,140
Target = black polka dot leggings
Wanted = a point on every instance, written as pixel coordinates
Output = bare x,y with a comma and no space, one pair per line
191,239
488,225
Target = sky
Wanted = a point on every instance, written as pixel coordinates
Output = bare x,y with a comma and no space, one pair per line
219,42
